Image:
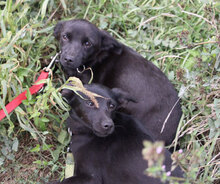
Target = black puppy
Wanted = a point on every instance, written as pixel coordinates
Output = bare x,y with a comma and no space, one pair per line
117,66
106,144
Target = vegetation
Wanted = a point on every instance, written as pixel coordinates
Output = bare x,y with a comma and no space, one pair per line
181,37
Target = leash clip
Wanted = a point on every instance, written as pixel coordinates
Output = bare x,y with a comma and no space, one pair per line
47,69
81,70
52,62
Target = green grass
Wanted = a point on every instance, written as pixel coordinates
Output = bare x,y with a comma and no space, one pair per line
181,37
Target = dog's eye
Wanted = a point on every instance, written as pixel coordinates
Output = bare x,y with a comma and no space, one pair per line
90,103
65,38
87,44
111,106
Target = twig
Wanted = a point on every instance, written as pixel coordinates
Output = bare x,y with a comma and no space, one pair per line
53,14
153,18
214,21
87,9
199,16
165,122
195,44
169,56
213,158
189,122
18,64
202,43
19,82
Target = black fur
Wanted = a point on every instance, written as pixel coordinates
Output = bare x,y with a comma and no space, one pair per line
111,154
117,66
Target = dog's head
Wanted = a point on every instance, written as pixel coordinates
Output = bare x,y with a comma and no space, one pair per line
100,119
82,43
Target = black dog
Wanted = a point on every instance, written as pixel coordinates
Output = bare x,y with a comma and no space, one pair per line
107,144
117,66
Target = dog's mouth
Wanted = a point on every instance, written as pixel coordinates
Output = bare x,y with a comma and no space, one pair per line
102,134
80,68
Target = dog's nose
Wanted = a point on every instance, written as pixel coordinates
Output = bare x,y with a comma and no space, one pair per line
107,125
68,59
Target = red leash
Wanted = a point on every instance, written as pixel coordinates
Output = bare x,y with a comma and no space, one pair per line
33,89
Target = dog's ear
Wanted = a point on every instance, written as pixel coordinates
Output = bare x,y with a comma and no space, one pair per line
110,44
57,30
122,97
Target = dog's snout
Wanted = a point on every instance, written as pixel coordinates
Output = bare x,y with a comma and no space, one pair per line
107,125
68,59
67,95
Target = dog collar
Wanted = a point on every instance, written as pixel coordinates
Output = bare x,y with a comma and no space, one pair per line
81,69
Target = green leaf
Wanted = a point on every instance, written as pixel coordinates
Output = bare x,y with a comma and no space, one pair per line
46,30
166,42
37,162
190,63
44,8
171,75
15,145
46,146
35,114
45,163
3,107
1,161
57,152
23,72
36,148
4,90
45,120
157,41
217,63
132,33
101,3
5,151
10,156
59,101
172,44
11,127
28,94
217,107
42,126
26,127
62,136
8,65
2,3
103,23
217,124
64,5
